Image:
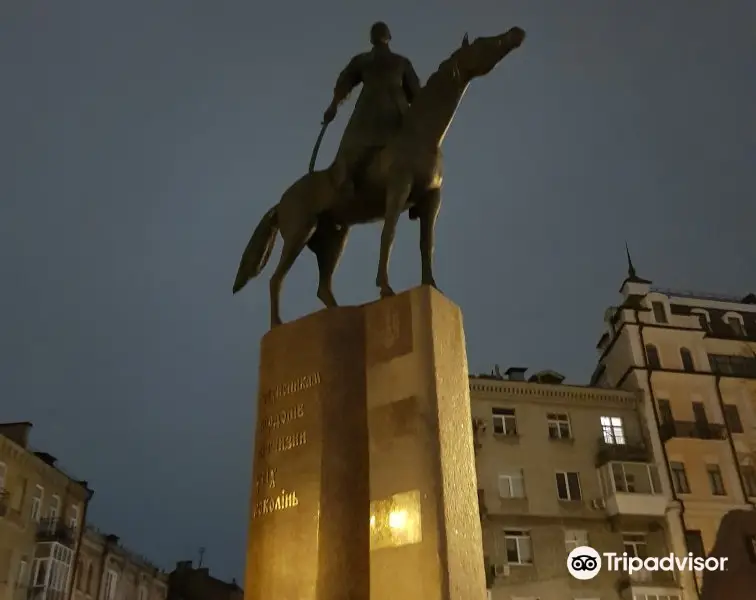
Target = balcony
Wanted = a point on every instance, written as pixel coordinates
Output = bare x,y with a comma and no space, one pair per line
54,530
632,451
692,430
630,586
632,488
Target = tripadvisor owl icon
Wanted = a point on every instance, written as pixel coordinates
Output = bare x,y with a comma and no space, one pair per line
584,563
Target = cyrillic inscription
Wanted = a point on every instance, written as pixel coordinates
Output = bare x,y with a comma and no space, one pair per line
292,387
282,417
284,443
283,501
267,478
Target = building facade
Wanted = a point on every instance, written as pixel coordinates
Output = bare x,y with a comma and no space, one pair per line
561,466
42,512
693,356
189,583
105,570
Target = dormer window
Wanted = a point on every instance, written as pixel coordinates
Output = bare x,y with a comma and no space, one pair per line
660,313
735,322
703,318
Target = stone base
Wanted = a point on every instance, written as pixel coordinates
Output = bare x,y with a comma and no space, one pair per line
364,481
736,541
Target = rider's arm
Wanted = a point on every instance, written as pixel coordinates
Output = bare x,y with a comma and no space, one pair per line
410,82
348,79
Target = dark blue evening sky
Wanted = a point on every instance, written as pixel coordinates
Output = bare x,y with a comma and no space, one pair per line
142,141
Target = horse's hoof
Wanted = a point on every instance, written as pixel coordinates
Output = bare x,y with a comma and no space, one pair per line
387,292
327,299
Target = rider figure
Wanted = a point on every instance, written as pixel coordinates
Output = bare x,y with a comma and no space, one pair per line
389,85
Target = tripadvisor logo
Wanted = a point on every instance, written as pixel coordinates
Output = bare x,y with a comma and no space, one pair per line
585,563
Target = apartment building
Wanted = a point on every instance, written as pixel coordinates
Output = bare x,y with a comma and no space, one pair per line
694,358
106,570
42,511
561,466
189,583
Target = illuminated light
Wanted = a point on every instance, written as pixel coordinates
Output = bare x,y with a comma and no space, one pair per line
398,519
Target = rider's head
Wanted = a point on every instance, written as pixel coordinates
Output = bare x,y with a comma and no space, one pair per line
379,34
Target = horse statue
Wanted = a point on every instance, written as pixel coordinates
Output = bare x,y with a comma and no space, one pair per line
406,174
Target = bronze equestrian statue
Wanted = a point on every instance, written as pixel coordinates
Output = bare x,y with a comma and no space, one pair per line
404,174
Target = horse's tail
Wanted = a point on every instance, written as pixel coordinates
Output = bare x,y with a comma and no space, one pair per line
257,252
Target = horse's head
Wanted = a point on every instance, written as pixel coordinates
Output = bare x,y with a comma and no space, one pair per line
484,53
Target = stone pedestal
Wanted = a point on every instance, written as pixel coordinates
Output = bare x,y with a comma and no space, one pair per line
364,482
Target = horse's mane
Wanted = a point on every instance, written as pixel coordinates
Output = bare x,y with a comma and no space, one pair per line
439,75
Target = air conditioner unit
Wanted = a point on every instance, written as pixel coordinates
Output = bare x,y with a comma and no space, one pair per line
501,570
598,504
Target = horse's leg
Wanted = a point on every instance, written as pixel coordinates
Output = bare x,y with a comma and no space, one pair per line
430,205
295,236
328,244
398,190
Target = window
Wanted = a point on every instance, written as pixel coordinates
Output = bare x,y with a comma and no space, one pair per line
749,479
54,508
732,418
635,545
624,476
715,480
559,426
652,356
568,486
73,519
679,478
21,574
703,318
660,314
111,582
59,567
740,366
40,572
736,324
518,547
574,538
687,360
511,484
36,506
613,430
142,595
665,411
504,421
89,578
699,415
694,543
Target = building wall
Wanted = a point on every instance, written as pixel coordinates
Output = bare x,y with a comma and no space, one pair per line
102,560
540,513
188,583
643,349
36,497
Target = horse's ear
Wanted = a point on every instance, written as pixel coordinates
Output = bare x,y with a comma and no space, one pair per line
465,41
